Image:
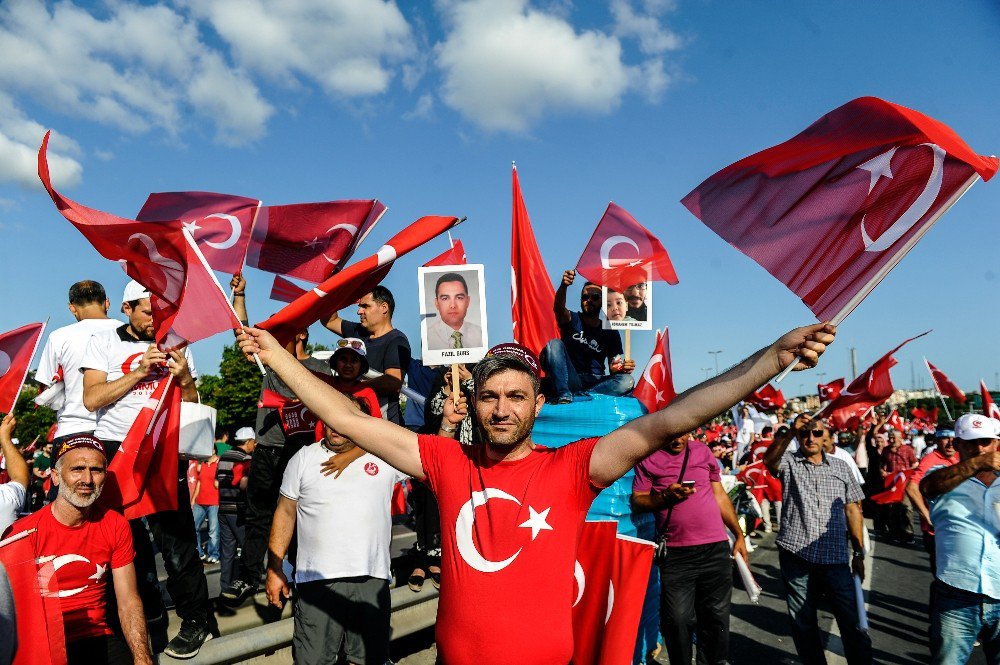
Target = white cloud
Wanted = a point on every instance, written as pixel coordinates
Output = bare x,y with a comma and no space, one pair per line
423,108
347,47
507,64
20,139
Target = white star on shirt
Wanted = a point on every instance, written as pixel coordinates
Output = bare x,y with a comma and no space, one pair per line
100,571
191,227
536,521
312,243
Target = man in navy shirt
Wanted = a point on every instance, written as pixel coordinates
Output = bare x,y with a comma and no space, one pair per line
586,357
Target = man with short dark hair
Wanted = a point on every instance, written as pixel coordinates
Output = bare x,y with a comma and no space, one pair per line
965,511
635,296
524,503
80,546
388,348
449,329
576,362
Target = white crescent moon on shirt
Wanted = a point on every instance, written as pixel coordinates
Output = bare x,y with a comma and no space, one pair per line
463,531
581,581
611,242
350,228
4,363
917,209
237,228
51,565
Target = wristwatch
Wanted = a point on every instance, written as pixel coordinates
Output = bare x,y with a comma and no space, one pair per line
859,554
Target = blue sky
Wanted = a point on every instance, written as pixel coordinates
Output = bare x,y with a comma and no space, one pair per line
425,104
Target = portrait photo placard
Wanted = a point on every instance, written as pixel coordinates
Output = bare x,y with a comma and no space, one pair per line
631,310
452,314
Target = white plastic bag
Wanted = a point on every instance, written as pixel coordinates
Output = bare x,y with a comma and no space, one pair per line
197,439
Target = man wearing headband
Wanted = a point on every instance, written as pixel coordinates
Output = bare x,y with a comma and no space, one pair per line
81,548
511,509
965,511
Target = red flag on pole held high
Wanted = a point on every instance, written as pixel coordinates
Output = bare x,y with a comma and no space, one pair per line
453,257
871,388
920,414
310,241
830,391
592,572
896,422
17,348
655,388
633,562
989,406
621,252
943,384
219,223
532,297
41,638
349,285
142,477
188,302
895,488
767,398
284,290
832,210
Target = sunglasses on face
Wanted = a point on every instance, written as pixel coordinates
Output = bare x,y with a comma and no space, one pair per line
355,344
592,297
813,432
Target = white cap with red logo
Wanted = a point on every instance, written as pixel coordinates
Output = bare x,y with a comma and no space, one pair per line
972,426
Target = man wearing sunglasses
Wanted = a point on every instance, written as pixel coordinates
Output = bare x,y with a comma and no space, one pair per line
576,361
965,510
821,508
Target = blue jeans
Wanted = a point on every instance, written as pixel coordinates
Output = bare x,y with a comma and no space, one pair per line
958,619
212,513
804,583
566,380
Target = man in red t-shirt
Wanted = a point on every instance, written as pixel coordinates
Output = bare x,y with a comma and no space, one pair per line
512,510
898,457
944,455
205,506
79,546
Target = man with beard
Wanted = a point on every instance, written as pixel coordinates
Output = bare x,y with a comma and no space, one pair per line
121,369
80,546
532,500
635,296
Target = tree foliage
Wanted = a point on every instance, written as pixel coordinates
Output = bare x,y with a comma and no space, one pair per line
32,420
234,392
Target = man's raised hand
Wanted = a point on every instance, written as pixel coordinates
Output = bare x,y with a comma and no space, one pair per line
804,345
568,277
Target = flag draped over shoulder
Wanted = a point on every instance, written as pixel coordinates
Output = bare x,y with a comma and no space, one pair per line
349,285
532,295
943,384
17,348
621,253
655,388
188,303
832,210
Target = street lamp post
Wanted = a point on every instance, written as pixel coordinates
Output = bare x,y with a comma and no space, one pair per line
715,354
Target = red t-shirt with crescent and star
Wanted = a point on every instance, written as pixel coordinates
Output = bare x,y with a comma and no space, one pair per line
509,534
75,564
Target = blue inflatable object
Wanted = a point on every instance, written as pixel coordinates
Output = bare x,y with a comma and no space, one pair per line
596,415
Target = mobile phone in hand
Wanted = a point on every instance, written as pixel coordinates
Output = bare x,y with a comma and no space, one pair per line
687,483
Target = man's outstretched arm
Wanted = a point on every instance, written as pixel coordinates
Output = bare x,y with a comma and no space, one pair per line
623,448
388,441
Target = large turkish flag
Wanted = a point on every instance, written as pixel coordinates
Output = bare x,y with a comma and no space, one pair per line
831,211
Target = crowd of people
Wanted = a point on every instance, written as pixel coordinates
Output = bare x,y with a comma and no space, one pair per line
298,502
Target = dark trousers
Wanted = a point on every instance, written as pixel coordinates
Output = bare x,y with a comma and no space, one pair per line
427,523
173,533
231,534
928,539
804,583
266,468
696,588
104,650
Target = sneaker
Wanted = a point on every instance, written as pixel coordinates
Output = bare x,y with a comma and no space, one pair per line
188,642
202,557
211,560
767,528
238,593
566,398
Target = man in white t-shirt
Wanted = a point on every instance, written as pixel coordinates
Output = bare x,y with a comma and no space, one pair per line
342,573
12,493
121,369
63,353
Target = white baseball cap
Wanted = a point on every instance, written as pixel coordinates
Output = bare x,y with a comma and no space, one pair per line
971,426
245,434
134,291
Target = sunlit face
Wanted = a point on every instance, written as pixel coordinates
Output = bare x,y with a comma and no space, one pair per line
347,364
140,319
636,295
813,437
81,476
452,303
506,407
336,442
590,300
946,446
371,313
616,306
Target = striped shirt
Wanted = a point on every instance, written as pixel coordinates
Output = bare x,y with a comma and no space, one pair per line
813,519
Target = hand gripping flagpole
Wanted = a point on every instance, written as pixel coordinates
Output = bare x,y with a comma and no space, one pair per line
890,264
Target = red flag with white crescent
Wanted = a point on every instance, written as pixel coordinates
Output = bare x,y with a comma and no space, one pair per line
17,348
219,223
621,253
655,388
532,297
630,575
895,488
591,604
455,256
768,398
830,391
832,210
989,406
356,280
943,384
